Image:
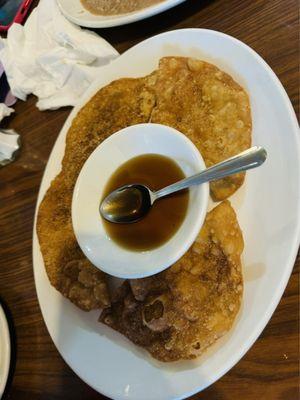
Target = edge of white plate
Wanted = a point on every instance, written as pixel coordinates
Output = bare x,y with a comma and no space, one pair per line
5,341
122,19
294,247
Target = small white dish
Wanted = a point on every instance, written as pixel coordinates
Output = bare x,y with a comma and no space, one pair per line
4,351
76,13
88,226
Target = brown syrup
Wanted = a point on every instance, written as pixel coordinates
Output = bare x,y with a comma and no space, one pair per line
165,216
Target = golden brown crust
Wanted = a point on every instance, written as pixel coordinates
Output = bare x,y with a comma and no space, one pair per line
67,268
208,106
116,106
191,95
178,313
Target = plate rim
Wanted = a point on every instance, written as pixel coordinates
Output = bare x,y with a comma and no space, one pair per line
123,19
7,347
296,239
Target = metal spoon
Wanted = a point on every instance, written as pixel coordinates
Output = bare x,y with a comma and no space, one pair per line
130,203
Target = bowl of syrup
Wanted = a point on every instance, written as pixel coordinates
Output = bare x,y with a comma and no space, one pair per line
153,155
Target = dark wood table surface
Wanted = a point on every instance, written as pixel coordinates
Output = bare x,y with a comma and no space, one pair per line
269,370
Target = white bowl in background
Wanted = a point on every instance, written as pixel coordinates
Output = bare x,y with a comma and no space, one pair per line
5,351
88,226
76,13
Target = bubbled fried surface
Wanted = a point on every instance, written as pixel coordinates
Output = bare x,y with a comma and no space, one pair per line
180,312
122,103
208,106
190,95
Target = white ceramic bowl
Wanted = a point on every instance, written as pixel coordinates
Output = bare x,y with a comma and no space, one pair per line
4,351
76,13
99,167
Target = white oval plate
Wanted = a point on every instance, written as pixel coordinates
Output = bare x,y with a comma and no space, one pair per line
4,351
268,208
75,12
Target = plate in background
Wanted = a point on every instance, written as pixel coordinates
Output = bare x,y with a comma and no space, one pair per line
268,209
4,351
75,12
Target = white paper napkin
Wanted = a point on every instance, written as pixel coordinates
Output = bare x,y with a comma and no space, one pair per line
52,58
9,139
5,111
9,144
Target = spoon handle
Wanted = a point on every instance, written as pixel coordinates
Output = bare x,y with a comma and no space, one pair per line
251,158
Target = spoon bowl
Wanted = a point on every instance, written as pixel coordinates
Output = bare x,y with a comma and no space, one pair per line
127,204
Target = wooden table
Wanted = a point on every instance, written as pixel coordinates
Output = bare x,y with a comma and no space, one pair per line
269,370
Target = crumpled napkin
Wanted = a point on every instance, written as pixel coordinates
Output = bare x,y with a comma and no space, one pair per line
52,58
6,98
9,146
5,111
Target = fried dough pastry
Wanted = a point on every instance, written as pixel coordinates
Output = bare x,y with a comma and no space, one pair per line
190,95
120,104
180,312
209,107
